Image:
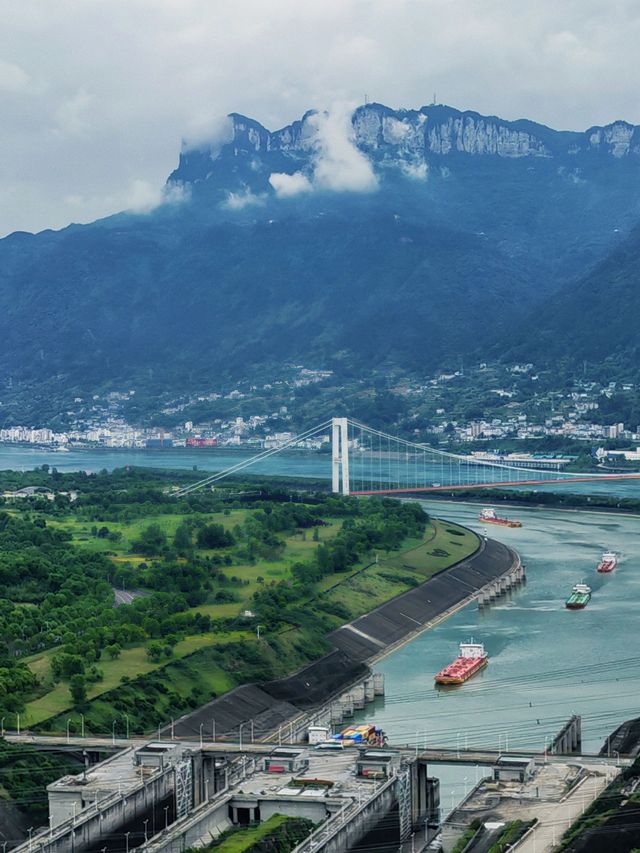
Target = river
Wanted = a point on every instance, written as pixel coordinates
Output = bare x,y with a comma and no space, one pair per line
546,662
293,464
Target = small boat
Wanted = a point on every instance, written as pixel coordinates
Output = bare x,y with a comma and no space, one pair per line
579,598
489,515
608,562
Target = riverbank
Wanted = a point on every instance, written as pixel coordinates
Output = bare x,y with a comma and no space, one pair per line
540,500
356,645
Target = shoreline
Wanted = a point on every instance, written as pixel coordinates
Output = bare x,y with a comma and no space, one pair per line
531,505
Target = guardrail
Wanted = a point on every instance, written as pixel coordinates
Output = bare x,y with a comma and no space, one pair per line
319,837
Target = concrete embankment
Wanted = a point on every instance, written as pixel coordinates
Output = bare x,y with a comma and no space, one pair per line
389,624
271,704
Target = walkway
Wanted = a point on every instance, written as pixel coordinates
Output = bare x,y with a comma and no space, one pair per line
555,818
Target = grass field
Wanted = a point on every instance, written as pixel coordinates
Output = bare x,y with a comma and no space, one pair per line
130,532
373,581
132,662
241,840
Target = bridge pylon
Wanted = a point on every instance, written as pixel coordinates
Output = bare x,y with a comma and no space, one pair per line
340,456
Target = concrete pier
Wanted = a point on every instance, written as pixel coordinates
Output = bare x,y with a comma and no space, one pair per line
569,738
502,585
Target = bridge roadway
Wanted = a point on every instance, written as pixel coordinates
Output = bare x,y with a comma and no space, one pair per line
498,484
490,756
431,756
109,744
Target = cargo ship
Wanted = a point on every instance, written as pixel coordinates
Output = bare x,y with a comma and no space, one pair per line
579,598
489,515
608,562
472,659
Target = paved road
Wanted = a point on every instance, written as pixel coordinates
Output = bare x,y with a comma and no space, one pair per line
123,597
555,818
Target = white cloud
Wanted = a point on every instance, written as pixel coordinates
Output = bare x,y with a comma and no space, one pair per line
417,171
339,165
242,199
290,185
108,89
211,131
144,197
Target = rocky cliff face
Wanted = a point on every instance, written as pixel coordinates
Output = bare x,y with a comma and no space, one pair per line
412,140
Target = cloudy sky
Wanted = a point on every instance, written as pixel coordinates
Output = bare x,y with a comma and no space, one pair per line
96,95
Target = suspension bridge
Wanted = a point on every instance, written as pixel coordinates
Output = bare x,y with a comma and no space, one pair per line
366,461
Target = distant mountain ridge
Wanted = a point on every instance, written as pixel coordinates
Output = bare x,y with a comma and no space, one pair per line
412,136
399,238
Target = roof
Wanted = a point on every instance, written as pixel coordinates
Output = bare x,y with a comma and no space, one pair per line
514,761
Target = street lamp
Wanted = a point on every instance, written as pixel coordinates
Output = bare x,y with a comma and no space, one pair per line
2,727
166,817
146,836
251,731
81,725
240,734
201,727
126,835
213,731
113,733
30,830
126,719
68,723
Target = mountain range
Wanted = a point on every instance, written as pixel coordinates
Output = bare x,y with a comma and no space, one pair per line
372,239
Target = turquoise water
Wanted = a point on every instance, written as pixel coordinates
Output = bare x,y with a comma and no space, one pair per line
546,662
295,464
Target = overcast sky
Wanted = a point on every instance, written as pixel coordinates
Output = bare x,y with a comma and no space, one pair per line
96,95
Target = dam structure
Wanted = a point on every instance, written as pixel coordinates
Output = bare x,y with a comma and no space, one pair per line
164,797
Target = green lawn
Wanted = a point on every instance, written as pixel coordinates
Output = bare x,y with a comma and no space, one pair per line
130,531
366,586
363,589
242,839
131,663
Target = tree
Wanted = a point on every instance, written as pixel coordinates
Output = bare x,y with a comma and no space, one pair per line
182,538
214,536
114,650
65,665
155,651
152,540
78,689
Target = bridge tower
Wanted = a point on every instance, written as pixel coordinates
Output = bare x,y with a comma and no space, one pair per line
340,456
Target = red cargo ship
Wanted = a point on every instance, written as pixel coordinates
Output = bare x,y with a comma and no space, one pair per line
472,659
608,562
490,517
